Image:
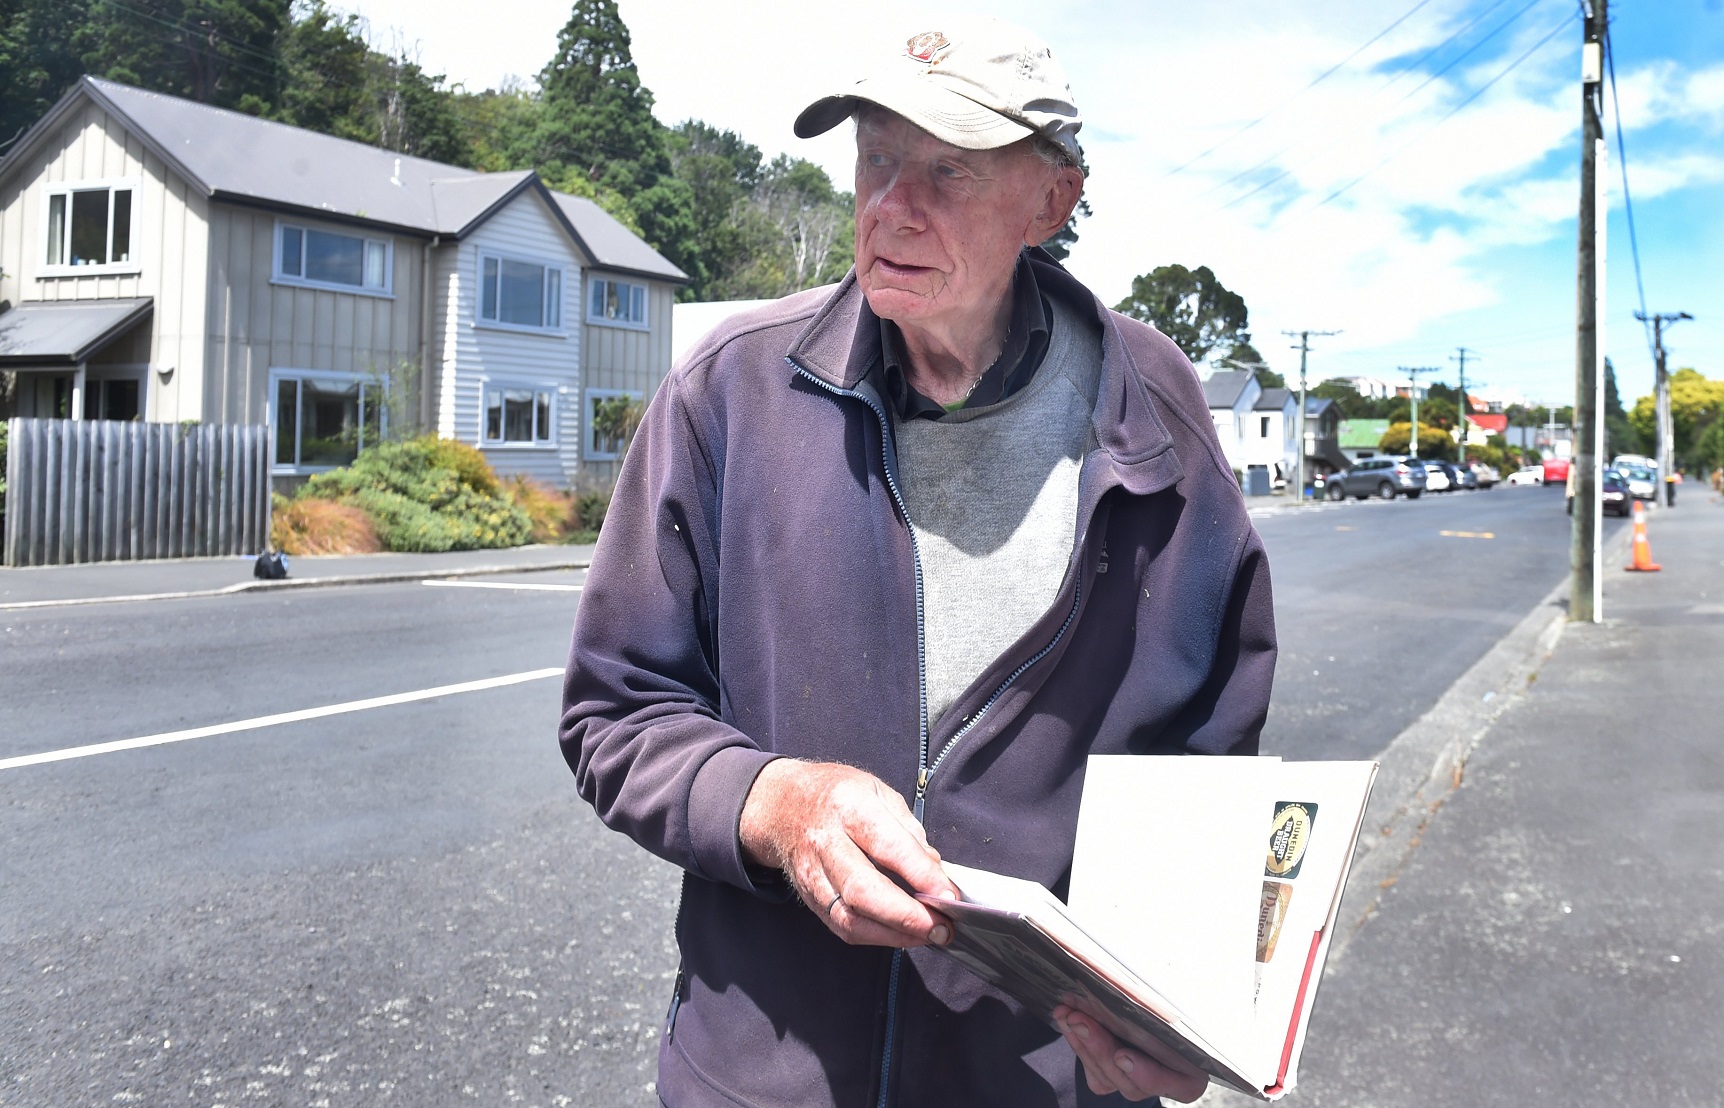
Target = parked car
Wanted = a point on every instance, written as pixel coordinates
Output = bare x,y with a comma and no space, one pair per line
1555,470
1527,475
1384,477
1463,477
1437,477
1612,491
1621,462
1642,481
1486,475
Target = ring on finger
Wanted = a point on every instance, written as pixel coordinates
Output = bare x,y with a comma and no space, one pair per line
833,903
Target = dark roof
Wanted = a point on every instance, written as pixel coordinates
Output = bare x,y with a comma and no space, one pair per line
1272,400
65,332
1222,388
234,156
1317,405
611,245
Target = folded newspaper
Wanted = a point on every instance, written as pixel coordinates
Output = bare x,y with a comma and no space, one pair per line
1203,897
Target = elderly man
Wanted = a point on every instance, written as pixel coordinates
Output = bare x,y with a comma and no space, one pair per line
886,563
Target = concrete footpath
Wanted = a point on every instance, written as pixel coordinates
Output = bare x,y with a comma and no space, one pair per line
45,586
1554,931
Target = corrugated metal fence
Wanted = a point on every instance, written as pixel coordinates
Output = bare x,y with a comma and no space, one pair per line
101,491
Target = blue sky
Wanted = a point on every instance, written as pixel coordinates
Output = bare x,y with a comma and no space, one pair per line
1459,231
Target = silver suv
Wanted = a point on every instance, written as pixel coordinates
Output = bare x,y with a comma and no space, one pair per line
1384,477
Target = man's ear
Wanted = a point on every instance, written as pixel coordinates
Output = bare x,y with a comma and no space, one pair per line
1059,200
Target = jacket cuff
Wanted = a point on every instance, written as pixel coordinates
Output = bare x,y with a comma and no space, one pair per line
715,817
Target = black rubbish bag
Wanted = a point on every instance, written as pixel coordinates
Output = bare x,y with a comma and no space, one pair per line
271,565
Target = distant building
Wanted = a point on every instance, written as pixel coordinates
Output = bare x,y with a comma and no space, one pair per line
1258,428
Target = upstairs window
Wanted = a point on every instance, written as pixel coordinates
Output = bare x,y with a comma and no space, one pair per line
1263,427
520,294
329,259
90,226
617,302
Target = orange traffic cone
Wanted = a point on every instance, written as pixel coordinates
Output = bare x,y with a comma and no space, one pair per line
1642,549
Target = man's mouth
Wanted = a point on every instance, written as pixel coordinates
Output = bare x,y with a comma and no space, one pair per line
901,269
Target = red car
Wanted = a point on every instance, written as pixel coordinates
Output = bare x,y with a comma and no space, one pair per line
1555,471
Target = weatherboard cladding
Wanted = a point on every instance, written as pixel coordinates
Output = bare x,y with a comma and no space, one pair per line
169,225
256,324
474,353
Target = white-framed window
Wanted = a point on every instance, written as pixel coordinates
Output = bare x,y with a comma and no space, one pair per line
90,226
519,414
515,293
611,415
337,260
616,303
323,420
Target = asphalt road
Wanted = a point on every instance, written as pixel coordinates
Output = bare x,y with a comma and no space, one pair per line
407,903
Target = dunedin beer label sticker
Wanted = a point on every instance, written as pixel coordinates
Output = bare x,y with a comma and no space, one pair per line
1289,835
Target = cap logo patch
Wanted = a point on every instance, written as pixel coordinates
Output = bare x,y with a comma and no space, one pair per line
926,46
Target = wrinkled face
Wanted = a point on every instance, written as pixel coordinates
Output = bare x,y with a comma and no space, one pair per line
939,228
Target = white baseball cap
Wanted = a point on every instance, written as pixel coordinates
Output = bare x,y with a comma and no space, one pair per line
975,82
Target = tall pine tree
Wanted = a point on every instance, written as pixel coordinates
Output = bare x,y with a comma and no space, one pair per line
597,123
220,52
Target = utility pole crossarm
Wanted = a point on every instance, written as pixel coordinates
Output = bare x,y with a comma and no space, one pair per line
1664,452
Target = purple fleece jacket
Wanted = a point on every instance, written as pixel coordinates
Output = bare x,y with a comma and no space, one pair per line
754,595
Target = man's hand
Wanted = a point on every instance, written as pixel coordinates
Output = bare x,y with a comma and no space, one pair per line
832,829
1112,1068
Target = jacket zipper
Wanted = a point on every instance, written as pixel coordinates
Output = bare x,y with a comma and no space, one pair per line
923,771
970,724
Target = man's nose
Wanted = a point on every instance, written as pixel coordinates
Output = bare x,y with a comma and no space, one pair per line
899,202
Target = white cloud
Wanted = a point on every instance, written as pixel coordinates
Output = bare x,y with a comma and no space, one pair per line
1420,238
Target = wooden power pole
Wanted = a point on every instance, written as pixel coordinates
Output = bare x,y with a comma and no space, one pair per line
1586,583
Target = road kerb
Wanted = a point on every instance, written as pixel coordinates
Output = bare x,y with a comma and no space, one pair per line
295,583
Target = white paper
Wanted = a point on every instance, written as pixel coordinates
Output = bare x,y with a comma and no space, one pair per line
1171,885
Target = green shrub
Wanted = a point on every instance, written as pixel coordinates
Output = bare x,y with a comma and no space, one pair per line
589,511
426,494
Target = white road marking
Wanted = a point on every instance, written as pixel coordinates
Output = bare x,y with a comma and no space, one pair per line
502,585
278,718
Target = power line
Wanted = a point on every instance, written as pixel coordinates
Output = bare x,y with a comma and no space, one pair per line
1452,62
1450,114
1627,199
1325,75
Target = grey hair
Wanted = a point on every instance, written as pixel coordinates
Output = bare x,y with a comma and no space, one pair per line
1054,154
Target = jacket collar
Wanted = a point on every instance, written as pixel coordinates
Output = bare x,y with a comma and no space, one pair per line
839,346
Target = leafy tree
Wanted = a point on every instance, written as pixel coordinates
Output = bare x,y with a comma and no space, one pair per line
220,52
1353,404
1434,442
1434,411
40,58
1696,408
325,59
1190,307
